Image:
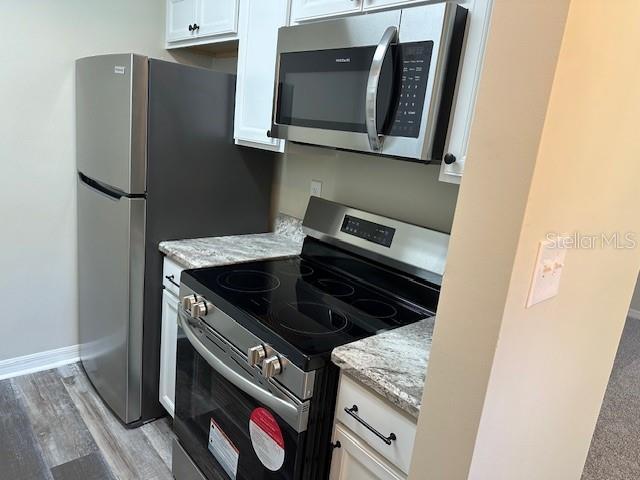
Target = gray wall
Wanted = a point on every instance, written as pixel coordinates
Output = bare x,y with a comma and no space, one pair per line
398,189
40,40
635,300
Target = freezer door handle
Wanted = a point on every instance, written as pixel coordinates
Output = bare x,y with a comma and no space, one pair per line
107,190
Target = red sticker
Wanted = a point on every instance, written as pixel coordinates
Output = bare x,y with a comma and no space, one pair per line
266,438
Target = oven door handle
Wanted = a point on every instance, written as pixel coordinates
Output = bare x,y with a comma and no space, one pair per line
286,410
371,104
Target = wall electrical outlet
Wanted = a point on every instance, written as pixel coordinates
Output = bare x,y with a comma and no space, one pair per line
316,188
546,277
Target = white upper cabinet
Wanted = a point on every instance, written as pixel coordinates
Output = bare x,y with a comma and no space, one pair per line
197,22
302,10
217,17
461,124
259,23
374,4
181,15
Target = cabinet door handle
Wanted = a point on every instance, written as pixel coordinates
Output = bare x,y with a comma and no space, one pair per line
196,26
353,412
171,280
191,29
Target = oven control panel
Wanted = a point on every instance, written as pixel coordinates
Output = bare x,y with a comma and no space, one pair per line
414,59
373,232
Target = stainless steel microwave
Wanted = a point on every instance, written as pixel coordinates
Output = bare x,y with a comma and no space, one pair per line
380,83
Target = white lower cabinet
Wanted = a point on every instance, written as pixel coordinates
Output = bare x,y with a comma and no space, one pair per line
169,334
354,460
259,23
363,454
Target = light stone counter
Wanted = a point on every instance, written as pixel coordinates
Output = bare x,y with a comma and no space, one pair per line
392,364
285,241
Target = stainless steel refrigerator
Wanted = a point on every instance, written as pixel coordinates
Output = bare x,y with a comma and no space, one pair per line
156,161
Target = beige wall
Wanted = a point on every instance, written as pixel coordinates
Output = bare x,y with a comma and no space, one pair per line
40,40
547,366
509,117
404,190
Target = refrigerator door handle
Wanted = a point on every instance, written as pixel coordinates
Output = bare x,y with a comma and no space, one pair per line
107,190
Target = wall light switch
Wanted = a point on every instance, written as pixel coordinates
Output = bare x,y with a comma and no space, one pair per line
316,188
546,277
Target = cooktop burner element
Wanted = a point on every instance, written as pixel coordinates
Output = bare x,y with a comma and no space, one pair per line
376,308
291,267
248,281
335,287
318,319
313,311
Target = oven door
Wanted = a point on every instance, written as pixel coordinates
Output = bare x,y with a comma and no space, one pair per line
370,83
226,418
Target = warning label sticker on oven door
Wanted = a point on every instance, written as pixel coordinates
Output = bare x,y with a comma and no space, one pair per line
267,439
223,450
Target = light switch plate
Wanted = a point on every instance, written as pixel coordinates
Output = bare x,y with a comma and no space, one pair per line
545,283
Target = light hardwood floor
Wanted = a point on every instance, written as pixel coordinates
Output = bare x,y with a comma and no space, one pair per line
53,426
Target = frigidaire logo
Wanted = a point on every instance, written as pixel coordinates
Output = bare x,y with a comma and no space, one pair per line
343,60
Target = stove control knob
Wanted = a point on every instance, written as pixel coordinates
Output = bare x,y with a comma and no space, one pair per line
201,308
189,301
255,355
271,366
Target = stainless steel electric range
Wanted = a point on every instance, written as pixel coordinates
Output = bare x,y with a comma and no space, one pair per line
255,387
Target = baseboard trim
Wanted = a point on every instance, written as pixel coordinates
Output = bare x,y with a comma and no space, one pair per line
36,362
633,313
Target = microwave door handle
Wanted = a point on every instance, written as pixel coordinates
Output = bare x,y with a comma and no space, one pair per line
286,410
375,140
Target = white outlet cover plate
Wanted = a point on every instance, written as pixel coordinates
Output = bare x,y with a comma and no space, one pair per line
545,283
316,188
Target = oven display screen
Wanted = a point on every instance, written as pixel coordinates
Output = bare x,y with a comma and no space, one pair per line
373,232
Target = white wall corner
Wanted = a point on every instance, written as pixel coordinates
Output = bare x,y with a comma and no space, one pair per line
36,362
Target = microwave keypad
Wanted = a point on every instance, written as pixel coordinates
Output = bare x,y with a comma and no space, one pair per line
414,61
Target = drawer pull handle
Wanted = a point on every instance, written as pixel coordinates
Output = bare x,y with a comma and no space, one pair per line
353,412
171,280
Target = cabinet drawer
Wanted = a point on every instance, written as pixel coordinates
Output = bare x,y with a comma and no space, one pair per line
355,461
171,276
381,416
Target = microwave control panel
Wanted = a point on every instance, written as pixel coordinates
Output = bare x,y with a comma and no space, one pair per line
414,60
373,232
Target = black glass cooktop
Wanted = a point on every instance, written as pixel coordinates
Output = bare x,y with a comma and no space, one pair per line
310,307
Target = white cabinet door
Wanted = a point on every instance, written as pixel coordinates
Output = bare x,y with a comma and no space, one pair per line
354,461
181,14
217,17
259,23
374,4
168,343
302,10
478,25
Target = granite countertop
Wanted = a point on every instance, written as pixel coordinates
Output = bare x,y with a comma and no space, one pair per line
392,364
285,241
